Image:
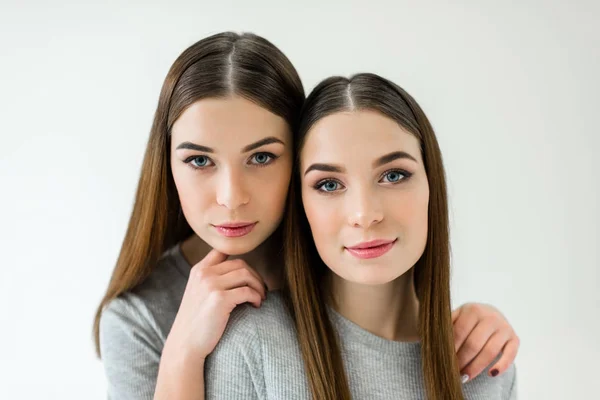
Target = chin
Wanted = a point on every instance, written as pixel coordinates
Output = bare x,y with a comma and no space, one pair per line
372,280
372,275
234,249
235,246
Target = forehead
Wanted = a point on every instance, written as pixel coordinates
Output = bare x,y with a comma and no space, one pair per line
356,136
228,121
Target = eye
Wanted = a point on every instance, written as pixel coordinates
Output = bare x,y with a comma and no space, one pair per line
394,176
262,159
199,162
328,186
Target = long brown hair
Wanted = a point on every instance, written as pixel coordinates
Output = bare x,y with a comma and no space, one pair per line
221,65
305,271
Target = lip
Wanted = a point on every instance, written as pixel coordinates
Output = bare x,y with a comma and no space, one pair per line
234,224
235,229
371,249
372,243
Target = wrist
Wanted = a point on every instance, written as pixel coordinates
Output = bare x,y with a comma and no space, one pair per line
179,354
180,375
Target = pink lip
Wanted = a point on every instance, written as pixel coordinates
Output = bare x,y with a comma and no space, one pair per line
235,229
372,249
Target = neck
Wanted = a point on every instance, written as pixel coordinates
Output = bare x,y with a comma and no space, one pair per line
390,311
260,259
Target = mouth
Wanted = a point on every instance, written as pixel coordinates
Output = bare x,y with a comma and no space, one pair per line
372,249
235,229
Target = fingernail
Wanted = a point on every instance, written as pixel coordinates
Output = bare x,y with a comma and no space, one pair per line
494,372
464,378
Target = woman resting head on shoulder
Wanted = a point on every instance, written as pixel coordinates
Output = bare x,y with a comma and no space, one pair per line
367,288
205,234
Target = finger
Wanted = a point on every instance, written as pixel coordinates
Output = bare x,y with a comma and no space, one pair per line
233,265
241,277
202,271
455,314
476,341
490,351
212,258
465,323
509,353
240,295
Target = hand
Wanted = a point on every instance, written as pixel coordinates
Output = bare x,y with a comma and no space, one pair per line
215,287
481,334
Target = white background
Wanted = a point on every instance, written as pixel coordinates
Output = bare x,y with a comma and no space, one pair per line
512,91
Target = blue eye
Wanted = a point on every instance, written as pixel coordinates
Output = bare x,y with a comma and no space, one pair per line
395,176
328,186
199,161
262,158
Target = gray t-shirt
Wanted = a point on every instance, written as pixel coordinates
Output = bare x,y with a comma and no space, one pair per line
259,358
134,327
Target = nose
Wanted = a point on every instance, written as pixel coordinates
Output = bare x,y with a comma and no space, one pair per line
231,192
365,209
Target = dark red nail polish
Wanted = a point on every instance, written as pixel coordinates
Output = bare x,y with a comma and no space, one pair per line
494,372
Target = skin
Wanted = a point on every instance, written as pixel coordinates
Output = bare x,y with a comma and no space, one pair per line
367,200
240,179
231,184
353,191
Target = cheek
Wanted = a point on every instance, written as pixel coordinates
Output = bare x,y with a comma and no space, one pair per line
412,213
323,218
192,193
283,174
270,187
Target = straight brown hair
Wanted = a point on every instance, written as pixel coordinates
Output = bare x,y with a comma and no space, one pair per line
218,66
306,272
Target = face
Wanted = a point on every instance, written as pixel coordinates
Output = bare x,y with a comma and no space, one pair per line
231,161
366,196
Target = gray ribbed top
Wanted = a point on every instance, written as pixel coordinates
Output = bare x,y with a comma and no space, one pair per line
134,327
259,358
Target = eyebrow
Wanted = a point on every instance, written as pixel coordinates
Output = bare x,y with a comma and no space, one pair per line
260,143
396,155
193,146
324,168
250,147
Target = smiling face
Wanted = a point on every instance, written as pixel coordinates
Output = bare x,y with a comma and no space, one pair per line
231,161
365,193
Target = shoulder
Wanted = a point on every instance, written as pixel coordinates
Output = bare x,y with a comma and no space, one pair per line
249,325
146,312
238,366
270,321
253,332
134,327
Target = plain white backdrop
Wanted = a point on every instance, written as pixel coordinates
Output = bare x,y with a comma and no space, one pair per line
511,89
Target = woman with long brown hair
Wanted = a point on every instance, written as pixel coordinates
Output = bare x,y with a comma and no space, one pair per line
204,234
365,311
